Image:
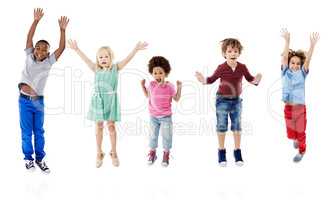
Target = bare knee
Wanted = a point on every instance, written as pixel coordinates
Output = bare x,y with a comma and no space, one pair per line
99,125
111,127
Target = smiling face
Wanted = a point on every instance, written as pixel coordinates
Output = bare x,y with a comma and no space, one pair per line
159,74
41,51
295,63
232,54
104,58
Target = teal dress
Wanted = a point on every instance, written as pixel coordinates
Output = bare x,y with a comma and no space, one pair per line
104,104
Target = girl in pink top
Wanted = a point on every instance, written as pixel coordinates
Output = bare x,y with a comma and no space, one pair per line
160,94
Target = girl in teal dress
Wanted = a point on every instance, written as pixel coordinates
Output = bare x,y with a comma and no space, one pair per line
104,105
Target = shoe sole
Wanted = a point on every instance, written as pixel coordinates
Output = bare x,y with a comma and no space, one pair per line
239,163
222,164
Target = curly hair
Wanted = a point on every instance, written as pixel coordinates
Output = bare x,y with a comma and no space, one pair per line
159,61
300,54
234,43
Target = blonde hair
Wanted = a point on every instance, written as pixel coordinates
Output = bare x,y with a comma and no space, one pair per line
110,53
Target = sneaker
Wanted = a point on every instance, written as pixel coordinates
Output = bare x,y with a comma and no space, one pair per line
298,157
114,159
152,156
99,159
42,165
295,144
165,159
238,158
222,157
30,165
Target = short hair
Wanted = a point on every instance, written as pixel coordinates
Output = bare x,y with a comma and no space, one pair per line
159,61
43,41
234,43
299,53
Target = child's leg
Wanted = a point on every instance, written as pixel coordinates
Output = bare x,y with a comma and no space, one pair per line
39,130
154,134
167,133
26,124
99,136
113,137
222,108
237,139
221,139
235,117
300,128
290,122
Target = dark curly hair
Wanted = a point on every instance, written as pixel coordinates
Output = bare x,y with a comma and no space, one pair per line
159,61
300,54
231,41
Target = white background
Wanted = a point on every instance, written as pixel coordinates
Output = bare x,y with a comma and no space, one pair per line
188,34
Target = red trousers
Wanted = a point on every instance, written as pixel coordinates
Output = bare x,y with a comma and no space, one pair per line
295,120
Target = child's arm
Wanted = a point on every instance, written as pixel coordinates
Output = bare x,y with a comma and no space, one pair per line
125,61
63,21
178,92
73,45
38,14
285,55
313,40
144,88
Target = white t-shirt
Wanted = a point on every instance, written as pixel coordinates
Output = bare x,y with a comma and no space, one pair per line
35,73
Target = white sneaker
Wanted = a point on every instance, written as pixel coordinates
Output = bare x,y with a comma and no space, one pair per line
30,165
222,164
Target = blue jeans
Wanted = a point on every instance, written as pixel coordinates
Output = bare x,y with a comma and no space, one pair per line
31,122
228,108
165,125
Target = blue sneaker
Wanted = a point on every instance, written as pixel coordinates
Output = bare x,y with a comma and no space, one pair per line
238,157
222,157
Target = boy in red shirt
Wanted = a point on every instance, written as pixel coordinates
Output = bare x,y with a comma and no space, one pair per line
228,101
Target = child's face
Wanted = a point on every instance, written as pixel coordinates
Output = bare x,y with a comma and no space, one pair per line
295,63
41,51
159,74
104,58
231,54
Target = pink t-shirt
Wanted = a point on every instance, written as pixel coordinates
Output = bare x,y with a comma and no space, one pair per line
160,98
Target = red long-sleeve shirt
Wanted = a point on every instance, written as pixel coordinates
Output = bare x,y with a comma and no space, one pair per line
230,81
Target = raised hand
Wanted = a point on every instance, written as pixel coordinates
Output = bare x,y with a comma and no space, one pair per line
38,14
314,38
141,46
63,21
200,77
285,34
73,44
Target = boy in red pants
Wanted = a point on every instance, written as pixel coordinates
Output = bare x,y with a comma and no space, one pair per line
294,70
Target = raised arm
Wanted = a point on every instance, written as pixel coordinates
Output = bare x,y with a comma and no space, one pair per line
74,46
144,88
285,55
38,14
178,91
313,41
63,21
139,46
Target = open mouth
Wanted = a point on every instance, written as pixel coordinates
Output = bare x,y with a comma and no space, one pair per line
104,63
158,80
